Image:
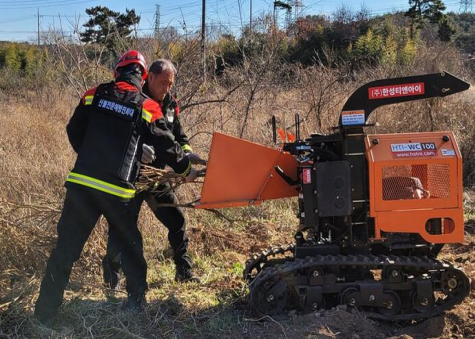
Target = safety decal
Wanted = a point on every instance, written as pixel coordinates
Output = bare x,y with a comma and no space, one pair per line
352,118
394,91
307,176
414,149
447,152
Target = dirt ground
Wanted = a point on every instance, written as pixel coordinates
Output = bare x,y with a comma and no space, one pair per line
217,308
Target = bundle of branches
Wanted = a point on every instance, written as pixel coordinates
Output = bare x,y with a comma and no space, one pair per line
152,178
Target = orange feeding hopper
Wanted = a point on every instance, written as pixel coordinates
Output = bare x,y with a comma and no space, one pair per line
242,173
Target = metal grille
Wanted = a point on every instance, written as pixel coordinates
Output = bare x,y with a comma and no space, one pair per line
430,181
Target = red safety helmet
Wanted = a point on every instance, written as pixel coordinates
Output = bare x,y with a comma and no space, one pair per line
132,57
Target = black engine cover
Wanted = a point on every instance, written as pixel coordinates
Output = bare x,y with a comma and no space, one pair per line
333,189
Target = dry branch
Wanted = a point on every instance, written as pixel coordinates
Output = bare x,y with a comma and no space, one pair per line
152,179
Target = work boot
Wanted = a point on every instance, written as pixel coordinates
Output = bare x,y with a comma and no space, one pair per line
45,319
136,301
185,274
110,273
44,314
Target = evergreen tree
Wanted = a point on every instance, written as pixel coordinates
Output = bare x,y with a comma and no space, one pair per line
12,58
369,47
109,28
422,11
31,60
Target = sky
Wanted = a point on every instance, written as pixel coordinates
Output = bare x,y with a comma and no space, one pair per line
19,18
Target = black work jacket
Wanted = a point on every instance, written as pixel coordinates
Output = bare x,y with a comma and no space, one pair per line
108,129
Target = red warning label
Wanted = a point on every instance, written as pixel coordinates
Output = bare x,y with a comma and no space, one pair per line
307,176
395,91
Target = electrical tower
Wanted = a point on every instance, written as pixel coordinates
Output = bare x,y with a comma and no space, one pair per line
157,21
288,15
465,6
287,5
298,5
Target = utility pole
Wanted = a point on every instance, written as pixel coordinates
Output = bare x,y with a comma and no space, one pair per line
157,21
250,18
38,26
203,37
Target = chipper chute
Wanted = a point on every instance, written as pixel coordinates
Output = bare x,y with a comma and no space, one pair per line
242,173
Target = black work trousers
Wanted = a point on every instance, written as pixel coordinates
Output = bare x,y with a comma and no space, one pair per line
82,208
171,217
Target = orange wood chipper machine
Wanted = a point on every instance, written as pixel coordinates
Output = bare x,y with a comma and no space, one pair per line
374,210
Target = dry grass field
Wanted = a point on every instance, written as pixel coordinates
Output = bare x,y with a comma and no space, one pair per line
35,158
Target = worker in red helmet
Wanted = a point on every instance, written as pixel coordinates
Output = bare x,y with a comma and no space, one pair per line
107,131
134,58
161,77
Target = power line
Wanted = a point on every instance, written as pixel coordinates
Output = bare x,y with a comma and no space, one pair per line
180,7
52,4
29,2
18,19
58,15
36,4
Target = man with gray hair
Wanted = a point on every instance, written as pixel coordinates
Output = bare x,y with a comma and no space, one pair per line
160,80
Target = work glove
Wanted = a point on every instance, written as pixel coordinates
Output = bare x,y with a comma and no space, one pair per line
148,154
192,175
195,159
201,172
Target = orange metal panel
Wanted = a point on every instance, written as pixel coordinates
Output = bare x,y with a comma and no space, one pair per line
382,150
415,221
398,207
241,173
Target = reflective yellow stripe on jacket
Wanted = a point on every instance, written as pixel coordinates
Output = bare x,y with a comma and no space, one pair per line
146,115
88,100
100,185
